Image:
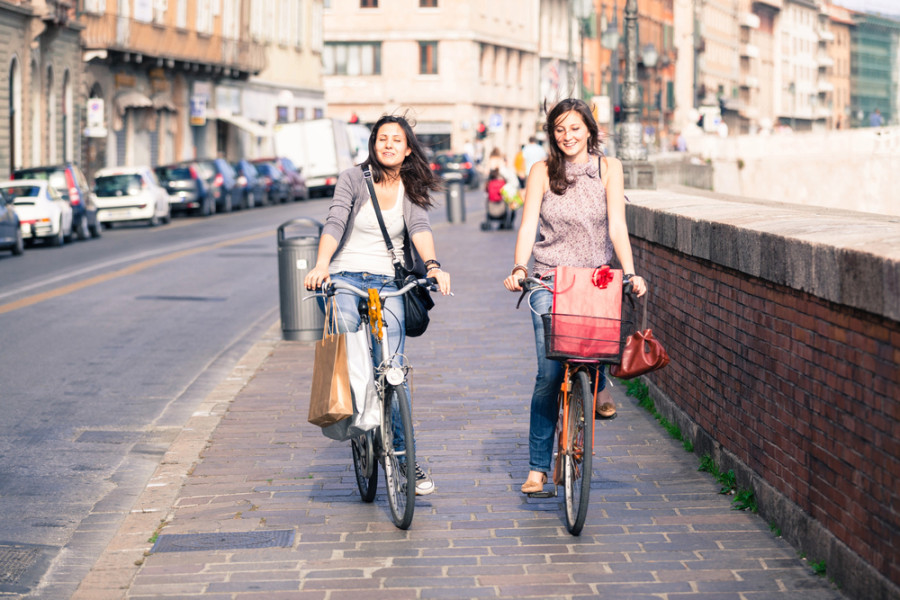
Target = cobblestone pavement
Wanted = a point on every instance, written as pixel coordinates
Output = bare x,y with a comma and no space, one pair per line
657,528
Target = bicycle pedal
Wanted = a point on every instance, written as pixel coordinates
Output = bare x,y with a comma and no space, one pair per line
543,494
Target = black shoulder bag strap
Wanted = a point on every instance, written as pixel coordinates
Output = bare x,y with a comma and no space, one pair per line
398,266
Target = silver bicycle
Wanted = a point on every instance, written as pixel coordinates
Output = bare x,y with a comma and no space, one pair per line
390,379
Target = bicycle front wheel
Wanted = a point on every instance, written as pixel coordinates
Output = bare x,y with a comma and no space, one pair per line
364,465
401,483
578,452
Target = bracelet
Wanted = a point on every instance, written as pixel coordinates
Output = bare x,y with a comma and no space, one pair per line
432,263
518,267
629,275
435,268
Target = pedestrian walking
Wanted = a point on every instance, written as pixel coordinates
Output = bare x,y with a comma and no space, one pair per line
519,164
875,119
577,198
532,153
352,247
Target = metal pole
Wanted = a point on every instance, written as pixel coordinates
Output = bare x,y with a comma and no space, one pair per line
631,148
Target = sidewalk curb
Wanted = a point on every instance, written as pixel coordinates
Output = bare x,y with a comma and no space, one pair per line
116,567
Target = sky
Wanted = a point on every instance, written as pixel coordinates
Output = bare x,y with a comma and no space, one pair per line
888,7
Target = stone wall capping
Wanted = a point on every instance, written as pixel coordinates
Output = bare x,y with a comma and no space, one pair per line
842,256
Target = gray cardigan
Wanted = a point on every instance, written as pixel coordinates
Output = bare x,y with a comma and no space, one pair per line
350,194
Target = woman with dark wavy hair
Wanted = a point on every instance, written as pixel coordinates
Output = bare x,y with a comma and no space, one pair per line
352,247
577,197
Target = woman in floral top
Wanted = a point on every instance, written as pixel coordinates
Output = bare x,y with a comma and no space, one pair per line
578,199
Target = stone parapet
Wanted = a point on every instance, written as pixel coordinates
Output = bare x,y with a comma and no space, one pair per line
845,257
782,325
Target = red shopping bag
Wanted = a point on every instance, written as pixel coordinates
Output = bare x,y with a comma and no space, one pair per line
586,318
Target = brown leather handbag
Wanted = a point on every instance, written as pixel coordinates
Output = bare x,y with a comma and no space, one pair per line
642,354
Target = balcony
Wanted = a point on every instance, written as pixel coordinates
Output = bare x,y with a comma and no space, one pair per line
777,4
824,61
749,81
111,32
750,20
749,51
825,36
824,87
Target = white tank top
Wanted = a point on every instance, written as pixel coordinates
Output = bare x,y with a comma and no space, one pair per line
365,250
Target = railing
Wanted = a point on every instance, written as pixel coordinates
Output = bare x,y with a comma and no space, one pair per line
112,32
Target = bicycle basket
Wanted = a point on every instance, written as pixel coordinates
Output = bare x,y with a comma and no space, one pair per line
599,339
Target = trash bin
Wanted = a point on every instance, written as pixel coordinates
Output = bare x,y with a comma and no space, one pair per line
301,320
456,197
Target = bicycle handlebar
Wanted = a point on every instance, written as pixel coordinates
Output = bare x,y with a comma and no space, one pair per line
329,288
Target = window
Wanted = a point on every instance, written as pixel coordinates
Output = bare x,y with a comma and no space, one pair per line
368,3
428,4
428,64
340,58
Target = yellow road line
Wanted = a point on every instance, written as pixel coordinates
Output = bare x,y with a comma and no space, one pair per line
130,270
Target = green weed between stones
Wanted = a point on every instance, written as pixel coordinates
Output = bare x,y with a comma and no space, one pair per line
744,499
638,389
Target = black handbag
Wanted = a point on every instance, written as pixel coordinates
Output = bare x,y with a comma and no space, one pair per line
417,302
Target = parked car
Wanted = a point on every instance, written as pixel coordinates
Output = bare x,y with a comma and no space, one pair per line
222,183
295,179
447,161
188,190
10,227
43,213
253,191
128,194
73,186
278,188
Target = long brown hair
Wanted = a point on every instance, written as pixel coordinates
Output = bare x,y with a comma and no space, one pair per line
556,160
417,176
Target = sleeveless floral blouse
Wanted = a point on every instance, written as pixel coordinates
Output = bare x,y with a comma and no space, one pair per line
574,227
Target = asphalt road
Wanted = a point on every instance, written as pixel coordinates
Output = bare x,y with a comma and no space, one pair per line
106,346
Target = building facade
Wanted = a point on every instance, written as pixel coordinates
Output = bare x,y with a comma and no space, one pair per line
41,97
196,78
452,65
874,69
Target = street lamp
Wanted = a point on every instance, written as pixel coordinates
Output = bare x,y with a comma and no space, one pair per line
638,172
609,39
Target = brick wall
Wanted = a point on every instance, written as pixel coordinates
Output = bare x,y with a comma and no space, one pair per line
800,393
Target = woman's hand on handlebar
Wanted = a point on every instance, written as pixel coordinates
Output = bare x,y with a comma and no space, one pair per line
514,282
638,285
316,277
443,280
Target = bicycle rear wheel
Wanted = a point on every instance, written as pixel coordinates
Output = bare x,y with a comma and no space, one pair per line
401,491
364,465
578,452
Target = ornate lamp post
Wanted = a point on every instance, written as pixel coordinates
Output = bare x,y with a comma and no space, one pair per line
638,172
609,39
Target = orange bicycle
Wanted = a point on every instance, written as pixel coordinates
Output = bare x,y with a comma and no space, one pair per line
575,425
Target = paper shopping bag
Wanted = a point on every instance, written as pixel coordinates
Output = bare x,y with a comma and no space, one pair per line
587,313
330,399
366,403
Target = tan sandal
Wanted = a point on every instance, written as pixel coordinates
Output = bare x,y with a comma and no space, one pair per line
533,487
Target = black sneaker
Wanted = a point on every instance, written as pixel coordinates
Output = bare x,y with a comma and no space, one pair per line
424,483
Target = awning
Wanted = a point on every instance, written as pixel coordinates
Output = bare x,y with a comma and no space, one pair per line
163,101
246,124
131,99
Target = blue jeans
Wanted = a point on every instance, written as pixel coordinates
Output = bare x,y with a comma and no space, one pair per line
347,319
545,397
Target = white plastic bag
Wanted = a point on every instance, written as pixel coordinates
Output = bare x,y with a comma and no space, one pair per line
366,403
